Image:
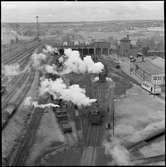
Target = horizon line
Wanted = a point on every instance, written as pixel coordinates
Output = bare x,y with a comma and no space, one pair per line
89,21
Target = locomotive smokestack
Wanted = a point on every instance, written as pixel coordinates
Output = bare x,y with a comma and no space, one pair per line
103,75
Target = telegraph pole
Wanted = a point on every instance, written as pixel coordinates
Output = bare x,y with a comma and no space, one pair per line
113,116
37,27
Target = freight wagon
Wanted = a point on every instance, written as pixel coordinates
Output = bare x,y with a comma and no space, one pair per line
8,113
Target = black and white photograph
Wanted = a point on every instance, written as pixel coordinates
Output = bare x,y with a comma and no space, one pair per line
82,83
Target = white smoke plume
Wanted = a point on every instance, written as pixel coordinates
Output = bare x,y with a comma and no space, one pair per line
118,152
92,66
11,70
50,49
37,60
29,102
51,69
59,89
75,64
44,105
72,62
61,59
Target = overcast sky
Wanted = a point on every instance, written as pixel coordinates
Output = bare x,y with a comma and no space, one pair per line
81,11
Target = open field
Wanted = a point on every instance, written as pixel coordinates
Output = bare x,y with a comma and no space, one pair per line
83,30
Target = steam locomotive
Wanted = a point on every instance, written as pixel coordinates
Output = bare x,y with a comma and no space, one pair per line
95,115
103,74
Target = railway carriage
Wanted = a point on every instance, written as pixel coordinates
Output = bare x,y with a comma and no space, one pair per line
153,89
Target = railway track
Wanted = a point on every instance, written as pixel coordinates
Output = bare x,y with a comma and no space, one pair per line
18,81
17,56
6,98
28,139
147,160
146,141
23,94
111,66
88,156
14,48
93,133
19,157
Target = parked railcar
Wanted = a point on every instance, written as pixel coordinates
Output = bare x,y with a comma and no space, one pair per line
61,114
66,127
153,89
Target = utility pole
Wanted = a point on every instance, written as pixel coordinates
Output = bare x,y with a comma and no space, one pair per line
113,116
37,27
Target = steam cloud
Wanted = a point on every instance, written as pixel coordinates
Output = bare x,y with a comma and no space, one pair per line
11,70
29,101
51,69
59,89
75,64
50,49
38,60
119,153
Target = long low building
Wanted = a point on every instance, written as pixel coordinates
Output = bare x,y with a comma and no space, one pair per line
159,53
150,70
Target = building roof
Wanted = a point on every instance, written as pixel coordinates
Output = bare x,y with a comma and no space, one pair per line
125,39
102,44
158,61
150,67
156,51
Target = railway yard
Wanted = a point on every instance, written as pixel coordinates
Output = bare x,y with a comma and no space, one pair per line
30,135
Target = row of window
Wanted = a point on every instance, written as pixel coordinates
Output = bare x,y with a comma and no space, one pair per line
157,78
146,85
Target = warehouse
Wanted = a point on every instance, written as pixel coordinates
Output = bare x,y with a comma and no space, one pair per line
148,71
